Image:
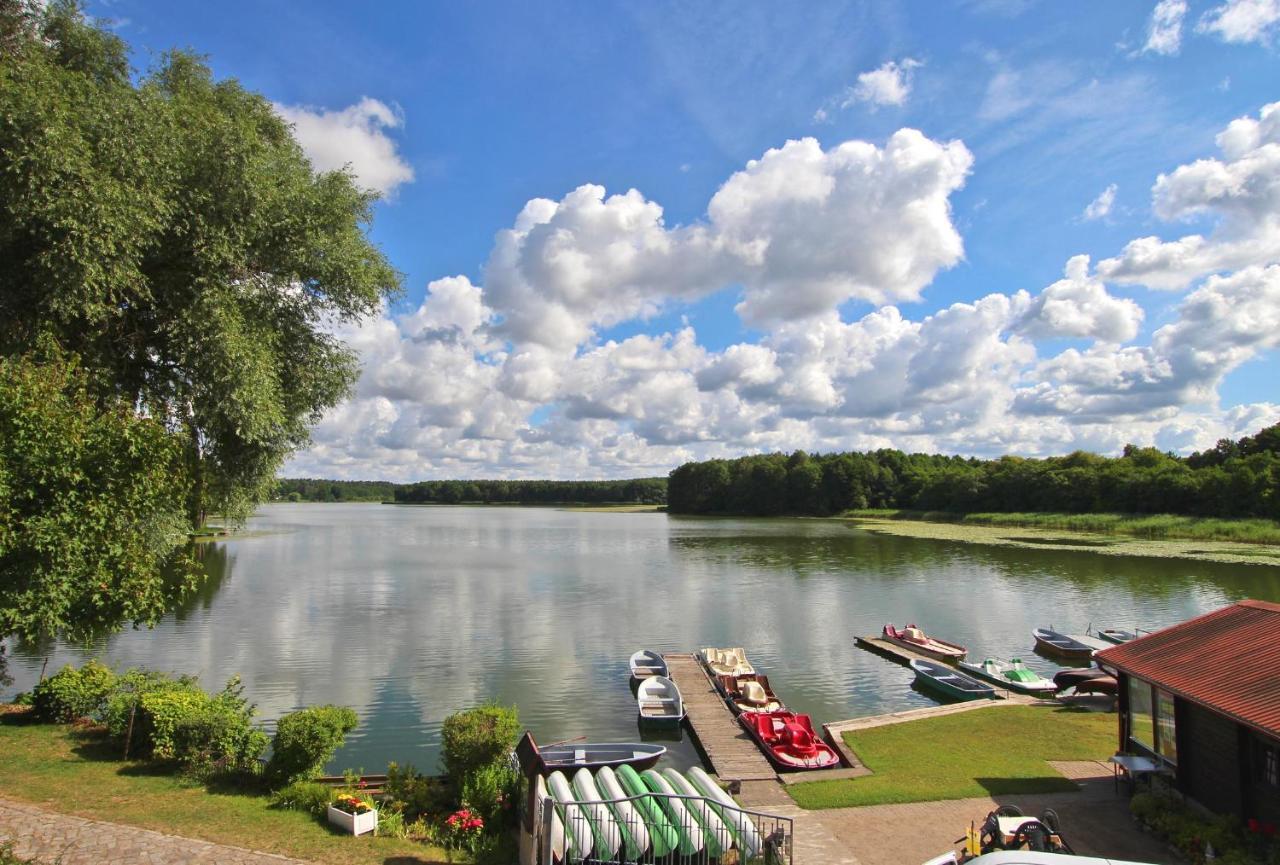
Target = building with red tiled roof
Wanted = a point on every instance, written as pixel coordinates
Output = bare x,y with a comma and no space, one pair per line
1203,698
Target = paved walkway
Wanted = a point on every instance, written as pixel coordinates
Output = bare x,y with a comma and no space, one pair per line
1095,821
65,840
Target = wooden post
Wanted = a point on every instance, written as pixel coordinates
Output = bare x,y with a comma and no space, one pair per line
128,736
44,667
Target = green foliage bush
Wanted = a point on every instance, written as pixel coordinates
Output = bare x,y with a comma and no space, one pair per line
416,794
70,693
492,791
308,796
219,737
121,704
1193,833
307,739
476,738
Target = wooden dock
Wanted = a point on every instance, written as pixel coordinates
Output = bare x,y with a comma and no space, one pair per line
904,656
734,756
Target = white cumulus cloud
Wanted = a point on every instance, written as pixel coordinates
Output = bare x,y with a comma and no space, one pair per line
1100,206
1164,30
355,136
1242,20
890,84
1077,306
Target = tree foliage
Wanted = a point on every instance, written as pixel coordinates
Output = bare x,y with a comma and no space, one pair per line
1235,479
635,491
171,232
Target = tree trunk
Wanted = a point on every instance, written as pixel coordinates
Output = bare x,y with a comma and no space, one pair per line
196,506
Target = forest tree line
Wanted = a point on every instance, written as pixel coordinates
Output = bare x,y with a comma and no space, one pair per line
634,491
1234,479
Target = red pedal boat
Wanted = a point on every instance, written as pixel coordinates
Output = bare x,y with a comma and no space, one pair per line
911,637
788,740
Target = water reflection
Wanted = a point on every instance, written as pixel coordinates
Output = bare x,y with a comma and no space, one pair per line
408,614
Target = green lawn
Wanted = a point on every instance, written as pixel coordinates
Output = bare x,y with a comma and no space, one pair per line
71,771
1000,750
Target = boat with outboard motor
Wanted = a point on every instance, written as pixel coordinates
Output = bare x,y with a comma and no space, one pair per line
914,638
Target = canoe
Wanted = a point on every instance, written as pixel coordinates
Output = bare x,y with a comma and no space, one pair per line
1013,675
911,637
662,835
719,838
749,694
646,663
945,680
559,846
739,822
726,662
592,755
603,825
1119,636
635,834
788,740
1061,646
687,828
659,701
577,827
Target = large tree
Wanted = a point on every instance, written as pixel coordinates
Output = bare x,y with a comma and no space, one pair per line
170,232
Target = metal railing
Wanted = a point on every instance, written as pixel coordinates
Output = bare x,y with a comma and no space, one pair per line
659,828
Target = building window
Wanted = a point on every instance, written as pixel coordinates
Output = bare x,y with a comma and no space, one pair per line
1141,715
1166,729
1268,762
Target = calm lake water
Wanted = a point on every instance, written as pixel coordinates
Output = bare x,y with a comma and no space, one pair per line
408,614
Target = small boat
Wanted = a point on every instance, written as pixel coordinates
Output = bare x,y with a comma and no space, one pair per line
572,817
1119,636
788,740
571,756
749,694
1106,684
719,838
1013,675
659,701
727,662
603,824
558,841
635,834
947,681
687,828
1051,642
1067,679
662,835
746,835
911,637
646,663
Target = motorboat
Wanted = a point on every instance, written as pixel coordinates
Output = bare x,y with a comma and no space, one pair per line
1050,642
1119,636
913,638
946,680
749,694
727,662
571,756
746,835
659,701
788,740
1013,675
662,835
646,663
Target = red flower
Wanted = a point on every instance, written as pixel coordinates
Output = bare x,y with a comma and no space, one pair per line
1254,825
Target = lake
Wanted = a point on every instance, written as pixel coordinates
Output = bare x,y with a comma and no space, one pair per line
408,614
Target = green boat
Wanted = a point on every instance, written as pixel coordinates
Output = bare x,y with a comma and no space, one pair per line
662,834
945,680
1013,675
686,826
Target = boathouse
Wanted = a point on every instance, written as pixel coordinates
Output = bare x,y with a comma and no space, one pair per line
1203,700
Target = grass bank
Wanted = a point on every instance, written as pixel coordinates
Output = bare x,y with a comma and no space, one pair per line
1147,526
998,751
72,771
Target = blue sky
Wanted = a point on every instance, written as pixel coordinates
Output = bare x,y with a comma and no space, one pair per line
550,372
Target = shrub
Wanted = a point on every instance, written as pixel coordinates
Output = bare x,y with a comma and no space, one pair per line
219,737
307,739
477,737
309,796
121,705
70,693
417,795
492,791
160,713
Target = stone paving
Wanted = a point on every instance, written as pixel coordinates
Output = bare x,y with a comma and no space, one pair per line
65,840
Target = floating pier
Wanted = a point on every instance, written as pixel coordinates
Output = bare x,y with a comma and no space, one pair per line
732,753
904,656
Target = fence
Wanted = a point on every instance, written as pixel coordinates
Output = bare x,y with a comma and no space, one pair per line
658,828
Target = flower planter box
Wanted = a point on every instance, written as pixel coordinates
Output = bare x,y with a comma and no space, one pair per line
356,824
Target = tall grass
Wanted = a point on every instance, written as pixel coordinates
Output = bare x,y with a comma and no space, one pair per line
1149,526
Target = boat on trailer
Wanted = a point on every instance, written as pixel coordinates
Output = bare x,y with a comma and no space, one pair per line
946,680
646,663
659,701
749,694
1013,675
1050,642
788,740
570,756
914,638
726,662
